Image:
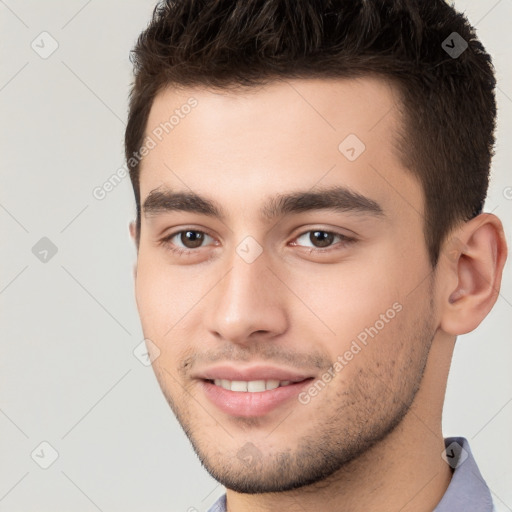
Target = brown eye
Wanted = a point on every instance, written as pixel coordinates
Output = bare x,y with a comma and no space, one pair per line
185,241
321,238
318,239
191,239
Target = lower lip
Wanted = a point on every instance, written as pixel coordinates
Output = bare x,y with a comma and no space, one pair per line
247,404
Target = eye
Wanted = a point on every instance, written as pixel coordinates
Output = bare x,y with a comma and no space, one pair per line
321,239
189,239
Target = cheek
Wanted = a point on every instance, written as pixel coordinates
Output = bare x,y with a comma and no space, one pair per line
379,370
163,295
166,298
346,298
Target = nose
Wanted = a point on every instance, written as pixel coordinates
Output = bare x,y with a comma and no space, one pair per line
248,304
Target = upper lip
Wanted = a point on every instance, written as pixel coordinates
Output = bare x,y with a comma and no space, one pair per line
255,372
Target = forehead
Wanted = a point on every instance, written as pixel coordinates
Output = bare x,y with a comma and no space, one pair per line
287,135
329,106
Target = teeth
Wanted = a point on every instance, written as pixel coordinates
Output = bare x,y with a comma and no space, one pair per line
239,385
251,386
255,385
272,384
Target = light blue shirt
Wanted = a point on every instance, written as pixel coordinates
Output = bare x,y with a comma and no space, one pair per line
467,491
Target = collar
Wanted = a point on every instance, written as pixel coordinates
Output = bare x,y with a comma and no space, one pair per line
467,489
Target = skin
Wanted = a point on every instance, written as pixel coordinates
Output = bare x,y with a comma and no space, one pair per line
371,439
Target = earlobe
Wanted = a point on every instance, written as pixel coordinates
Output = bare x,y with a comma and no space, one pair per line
133,235
474,257
132,230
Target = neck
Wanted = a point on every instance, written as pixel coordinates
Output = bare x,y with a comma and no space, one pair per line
404,471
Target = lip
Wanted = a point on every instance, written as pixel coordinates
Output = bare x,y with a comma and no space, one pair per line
247,404
254,372
250,405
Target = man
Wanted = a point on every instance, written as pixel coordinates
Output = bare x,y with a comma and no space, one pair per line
309,179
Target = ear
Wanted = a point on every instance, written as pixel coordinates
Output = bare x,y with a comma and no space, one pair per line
472,261
133,230
133,235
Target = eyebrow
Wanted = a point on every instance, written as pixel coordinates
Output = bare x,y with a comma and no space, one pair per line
338,199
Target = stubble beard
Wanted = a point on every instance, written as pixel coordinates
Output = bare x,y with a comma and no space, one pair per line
342,434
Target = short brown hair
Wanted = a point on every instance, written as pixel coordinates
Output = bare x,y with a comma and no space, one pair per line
449,107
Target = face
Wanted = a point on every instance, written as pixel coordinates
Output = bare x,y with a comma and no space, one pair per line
282,276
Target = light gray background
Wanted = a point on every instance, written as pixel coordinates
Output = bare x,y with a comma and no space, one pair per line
68,375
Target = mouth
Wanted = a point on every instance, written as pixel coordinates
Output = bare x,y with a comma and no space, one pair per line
252,398
251,386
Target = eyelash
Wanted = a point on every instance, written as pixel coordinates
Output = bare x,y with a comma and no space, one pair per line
166,241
